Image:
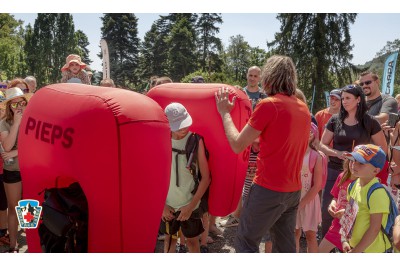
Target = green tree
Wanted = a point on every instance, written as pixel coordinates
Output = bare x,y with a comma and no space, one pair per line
182,47
10,46
320,46
258,56
389,48
238,58
82,42
209,45
64,43
120,31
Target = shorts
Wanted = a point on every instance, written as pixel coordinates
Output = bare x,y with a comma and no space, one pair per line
11,177
3,197
190,228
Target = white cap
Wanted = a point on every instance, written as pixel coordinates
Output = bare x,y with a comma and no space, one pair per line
178,116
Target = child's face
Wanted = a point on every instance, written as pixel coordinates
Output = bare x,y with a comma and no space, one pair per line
363,170
74,67
180,133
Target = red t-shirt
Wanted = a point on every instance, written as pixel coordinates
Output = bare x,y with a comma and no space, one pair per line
284,122
322,118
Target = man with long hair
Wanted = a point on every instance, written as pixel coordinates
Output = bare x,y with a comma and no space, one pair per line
274,196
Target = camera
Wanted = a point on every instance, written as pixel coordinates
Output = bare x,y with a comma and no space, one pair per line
393,119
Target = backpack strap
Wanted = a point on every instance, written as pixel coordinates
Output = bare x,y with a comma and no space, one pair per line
350,187
369,193
178,152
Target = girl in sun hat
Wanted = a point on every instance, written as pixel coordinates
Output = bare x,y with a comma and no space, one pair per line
15,104
74,68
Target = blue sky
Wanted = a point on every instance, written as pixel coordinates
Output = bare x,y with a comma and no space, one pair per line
369,33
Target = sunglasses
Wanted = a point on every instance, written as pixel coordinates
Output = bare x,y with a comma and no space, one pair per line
25,91
366,83
21,103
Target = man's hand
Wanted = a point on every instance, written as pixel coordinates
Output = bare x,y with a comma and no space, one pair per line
186,212
222,100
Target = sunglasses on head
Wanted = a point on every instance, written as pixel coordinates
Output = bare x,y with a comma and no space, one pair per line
366,83
21,103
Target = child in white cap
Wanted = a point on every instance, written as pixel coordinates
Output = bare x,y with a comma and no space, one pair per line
181,210
73,70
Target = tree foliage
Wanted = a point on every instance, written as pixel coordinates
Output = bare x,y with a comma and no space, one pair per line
11,43
320,46
120,31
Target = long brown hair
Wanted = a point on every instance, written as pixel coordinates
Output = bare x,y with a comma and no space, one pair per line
346,171
279,76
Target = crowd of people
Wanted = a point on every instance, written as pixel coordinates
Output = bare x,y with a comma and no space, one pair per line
305,174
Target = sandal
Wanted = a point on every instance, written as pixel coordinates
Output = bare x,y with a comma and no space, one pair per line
204,249
230,222
214,230
13,250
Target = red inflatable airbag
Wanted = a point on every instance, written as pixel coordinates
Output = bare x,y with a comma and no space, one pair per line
228,170
116,144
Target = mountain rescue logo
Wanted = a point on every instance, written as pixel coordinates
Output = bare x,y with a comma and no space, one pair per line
28,213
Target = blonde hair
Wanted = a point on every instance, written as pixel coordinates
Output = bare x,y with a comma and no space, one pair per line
16,81
346,171
107,83
163,80
279,76
397,97
300,95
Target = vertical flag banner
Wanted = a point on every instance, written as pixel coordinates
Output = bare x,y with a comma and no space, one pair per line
327,98
312,101
106,59
388,74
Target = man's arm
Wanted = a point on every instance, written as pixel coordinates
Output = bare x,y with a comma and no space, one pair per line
237,141
389,105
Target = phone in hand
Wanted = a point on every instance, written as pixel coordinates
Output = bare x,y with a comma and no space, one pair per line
393,119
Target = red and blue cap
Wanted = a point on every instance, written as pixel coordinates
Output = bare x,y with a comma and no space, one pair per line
371,154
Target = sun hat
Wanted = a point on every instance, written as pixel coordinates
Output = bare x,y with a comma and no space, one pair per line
371,154
178,116
15,92
336,93
73,58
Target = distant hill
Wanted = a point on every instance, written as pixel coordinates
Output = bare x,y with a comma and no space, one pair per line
377,64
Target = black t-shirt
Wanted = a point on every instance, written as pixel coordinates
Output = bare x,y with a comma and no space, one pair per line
343,138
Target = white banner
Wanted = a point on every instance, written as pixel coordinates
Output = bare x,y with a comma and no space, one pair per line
106,59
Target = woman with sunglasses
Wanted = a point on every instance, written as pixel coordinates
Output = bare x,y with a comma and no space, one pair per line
351,127
15,105
20,83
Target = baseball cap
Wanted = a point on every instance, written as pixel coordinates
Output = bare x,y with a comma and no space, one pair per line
178,116
336,93
198,79
368,154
